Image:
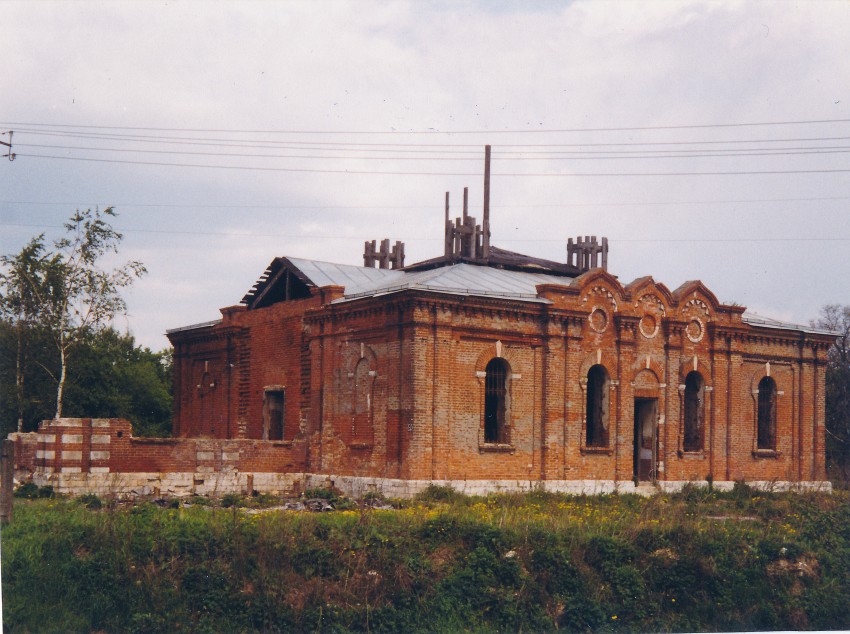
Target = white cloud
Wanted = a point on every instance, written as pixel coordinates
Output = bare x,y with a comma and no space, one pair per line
448,66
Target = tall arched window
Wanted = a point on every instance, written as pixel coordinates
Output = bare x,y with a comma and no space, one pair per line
495,401
694,432
767,414
597,406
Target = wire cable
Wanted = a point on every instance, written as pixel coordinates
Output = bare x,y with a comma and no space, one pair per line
466,174
433,131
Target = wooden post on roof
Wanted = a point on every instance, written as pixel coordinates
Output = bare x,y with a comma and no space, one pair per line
448,229
485,249
465,204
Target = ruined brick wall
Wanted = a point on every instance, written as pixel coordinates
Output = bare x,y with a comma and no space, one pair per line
100,446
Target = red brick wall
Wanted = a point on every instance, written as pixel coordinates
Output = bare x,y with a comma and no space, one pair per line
417,359
83,445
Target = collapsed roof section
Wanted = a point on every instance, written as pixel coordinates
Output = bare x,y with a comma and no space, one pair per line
296,278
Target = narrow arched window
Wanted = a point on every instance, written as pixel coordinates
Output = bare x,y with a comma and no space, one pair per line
597,406
495,401
767,414
694,432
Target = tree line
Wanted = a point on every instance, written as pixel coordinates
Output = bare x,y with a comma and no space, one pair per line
59,353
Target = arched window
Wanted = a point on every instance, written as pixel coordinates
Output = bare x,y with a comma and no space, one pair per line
694,433
495,401
767,414
597,406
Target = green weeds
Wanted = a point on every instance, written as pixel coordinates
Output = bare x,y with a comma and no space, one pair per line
694,561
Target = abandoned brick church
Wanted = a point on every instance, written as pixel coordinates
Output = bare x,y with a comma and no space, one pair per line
489,365
484,369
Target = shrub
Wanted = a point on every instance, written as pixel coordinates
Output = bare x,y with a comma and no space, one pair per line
231,499
31,491
437,493
332,495
91,501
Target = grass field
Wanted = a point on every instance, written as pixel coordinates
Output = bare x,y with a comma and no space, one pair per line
693,561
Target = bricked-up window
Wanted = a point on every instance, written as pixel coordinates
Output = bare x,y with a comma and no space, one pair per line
495,401
694,432
273,408
598,397
361,420
767,414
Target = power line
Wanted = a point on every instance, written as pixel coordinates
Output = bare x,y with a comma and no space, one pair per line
514,156
420,239
433,131
648,203
390,147
467,174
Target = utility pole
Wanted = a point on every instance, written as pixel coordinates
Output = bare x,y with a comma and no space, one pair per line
10,155
485,251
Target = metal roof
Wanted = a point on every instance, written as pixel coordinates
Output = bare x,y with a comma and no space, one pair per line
461,279
355,279
205,324
758,321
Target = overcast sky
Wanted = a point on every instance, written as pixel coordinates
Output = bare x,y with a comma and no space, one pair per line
226,134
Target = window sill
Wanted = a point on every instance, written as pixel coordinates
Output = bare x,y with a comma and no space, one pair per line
692,455
359,445
496,447
767,453
280,443
605,451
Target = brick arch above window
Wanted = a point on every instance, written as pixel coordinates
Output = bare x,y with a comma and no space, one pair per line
646,384
778,372
496,349
599,357
694,363
644,363
357,351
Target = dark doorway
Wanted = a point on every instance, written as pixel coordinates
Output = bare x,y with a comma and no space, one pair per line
646,439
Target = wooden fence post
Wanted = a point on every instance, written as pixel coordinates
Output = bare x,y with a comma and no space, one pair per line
7,474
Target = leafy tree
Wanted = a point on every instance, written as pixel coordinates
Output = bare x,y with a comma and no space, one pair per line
39,397
73,297
837,318
108,376
22,281
113,377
